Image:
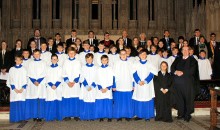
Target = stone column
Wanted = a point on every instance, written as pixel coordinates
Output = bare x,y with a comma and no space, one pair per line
26,16
38,9
66,15
46,14
26,21
123,14
115,21
180,17
106,14
142,15
84,14
6,5
75,15
15,14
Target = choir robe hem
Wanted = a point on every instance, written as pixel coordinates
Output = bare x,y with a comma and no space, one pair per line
35,108
53,110
123,105
144,109
17,111
70,107
103,108
87,110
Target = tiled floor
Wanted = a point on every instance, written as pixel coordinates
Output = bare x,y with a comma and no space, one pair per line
197,123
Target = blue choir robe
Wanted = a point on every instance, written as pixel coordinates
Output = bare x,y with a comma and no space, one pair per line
70,100
17,80
36,95
62,57
104,79
82,56
53,77
123,71
46,57
143,95
87,98
97,58
154,59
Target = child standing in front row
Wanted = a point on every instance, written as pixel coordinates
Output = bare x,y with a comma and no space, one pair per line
54,90
88,89
143,96
17,82
71,87
36,89
105,82
162,86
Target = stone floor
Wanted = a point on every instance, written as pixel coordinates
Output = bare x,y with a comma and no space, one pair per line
197,123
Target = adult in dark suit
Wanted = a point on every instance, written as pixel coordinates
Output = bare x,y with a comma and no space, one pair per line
216,63
72,39
195,39
127,41
215,47
92,41
52,46
5,57
107,41
186,83
212,43
142,41
16,51
37,38
167,40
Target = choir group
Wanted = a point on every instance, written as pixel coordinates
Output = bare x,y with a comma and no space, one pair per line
98,80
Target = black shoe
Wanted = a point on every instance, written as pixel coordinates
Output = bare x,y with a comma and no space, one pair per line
34,119
179,117
109,120
157,119
187,118
119,119
39,120
168,121
76,118
67,119
100,120
147,120
128,119
137,118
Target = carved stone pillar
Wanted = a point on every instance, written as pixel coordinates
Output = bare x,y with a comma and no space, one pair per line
15,14
84,14
123,14
142,15
46,14
106,14
66,15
